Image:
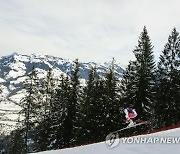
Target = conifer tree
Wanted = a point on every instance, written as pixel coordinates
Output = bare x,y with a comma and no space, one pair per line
1,98
111,118
144,78
89,110
168,87
42,130
74,102
66,122
17,145
60,121
138,83
30,104
128,86
65,110
100,108
48,92
99,99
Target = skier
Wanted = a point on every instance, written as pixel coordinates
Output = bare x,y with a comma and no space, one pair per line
130,113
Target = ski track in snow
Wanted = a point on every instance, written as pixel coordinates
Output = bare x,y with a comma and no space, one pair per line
157,148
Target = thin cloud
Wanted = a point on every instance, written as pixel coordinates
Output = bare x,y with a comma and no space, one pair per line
95,30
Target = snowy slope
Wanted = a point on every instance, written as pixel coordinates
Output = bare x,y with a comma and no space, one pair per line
14,70
134,148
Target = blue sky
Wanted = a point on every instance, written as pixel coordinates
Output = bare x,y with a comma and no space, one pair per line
91,30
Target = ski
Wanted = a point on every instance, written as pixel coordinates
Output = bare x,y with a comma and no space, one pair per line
138,124
111,137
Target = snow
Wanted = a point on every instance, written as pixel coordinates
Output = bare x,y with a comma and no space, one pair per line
14,73
1,80
19,80
12,116
144,148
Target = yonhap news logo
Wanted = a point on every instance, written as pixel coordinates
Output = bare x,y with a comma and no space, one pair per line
151,140
113,140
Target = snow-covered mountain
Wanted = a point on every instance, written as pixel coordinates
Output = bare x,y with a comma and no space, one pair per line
14,69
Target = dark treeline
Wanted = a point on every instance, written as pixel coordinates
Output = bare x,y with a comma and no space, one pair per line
64,112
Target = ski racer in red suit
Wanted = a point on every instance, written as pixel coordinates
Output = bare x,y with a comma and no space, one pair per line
130,113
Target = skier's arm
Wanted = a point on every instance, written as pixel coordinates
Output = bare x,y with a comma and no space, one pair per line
135,113
126,113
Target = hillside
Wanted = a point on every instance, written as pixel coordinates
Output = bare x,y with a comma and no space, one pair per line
131,148
14,70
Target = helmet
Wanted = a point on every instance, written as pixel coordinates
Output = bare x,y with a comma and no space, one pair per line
130,110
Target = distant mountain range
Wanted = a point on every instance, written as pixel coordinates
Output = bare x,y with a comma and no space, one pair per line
14,69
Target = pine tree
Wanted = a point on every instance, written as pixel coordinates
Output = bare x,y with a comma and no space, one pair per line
42,130
60,122
138,83
128,86
48,92
74,102
168,87
65,110
144,81
99,114
111,117
89,120
1,98
30,104
17,145
100,108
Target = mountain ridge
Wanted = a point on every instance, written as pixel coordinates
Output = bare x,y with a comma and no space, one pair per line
14,69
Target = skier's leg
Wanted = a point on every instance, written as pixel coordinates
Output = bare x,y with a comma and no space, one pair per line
131,122
127,120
